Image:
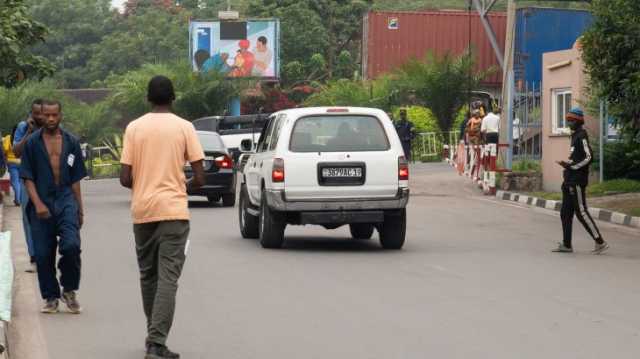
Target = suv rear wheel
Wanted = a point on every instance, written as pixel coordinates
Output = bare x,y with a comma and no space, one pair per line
393,230
361,230
249,225
229,200
271,226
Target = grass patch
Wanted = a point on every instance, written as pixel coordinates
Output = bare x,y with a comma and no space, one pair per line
526,166
433,158
613,187
606,188
553,196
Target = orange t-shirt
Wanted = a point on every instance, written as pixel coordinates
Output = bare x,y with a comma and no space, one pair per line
157,146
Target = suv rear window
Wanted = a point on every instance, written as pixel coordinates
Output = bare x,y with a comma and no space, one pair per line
338,134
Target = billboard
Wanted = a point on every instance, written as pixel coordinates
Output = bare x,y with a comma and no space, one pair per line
236,48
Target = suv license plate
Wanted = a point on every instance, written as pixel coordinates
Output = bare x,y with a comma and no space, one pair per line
342,172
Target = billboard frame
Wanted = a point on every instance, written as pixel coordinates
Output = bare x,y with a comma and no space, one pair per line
276,47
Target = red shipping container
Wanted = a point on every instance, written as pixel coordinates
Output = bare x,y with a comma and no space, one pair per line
391,38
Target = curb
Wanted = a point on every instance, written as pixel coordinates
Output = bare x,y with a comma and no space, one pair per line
597,213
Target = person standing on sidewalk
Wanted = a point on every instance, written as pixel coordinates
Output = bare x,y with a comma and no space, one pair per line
406,133
155,149
576,178
23,131
490,127
52,168
13,165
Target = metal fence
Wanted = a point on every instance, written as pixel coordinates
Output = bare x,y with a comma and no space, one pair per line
102,163
431,144
527,123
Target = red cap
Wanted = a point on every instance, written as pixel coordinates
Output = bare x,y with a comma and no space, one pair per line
244,44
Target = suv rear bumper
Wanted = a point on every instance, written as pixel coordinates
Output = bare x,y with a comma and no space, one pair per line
277,201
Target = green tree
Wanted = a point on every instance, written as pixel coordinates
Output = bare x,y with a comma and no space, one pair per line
310,27
75,33
18,31
438,83
611,52
197,95
152,35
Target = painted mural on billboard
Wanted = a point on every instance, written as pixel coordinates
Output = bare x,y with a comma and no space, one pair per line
236,48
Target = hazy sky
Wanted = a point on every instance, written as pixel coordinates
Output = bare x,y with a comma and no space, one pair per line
117,3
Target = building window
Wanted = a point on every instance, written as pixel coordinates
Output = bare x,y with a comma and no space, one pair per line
561,106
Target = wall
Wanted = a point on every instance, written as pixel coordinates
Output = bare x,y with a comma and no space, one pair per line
556,147
541,30
385,49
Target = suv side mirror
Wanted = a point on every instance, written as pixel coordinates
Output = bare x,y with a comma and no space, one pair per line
246,145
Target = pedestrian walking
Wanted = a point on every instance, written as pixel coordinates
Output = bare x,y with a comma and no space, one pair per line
159,205
474,137
52,168
24,129
406,133
13,165
576,179
490,127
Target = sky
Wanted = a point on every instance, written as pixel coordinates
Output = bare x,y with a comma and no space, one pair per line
118,3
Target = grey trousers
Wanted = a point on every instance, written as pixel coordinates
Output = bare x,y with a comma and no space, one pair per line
160,247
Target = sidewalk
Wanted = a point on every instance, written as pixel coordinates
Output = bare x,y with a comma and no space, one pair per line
25,332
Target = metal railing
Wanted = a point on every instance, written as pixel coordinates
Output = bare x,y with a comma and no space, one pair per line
101,163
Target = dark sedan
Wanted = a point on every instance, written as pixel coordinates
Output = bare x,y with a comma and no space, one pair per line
220,173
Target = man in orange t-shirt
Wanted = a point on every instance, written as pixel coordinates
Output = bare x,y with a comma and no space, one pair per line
156,148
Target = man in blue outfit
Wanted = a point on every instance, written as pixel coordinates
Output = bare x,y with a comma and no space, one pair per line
52,169
23,131
406,133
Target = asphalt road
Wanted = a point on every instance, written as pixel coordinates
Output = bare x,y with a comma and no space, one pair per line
475,279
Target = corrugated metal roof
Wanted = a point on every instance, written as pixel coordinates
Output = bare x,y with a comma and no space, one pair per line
387,47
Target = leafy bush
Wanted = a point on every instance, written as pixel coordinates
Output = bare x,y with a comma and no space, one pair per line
422,118
457,122
433,158
614,186
341,93
89,123
197,95
622,160
104,168
15,103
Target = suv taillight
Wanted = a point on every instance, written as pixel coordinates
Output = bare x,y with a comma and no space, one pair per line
277,174
403,169
224,162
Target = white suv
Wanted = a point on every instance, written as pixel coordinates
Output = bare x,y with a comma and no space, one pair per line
329,167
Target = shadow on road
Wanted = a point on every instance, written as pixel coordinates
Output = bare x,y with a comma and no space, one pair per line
310,244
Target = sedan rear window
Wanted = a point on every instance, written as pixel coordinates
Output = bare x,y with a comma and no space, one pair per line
211,141
338,134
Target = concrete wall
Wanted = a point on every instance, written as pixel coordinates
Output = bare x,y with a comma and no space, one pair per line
560,69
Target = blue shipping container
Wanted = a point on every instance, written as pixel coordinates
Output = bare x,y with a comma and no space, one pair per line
540,30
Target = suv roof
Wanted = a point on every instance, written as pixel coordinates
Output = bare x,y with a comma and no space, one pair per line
332,110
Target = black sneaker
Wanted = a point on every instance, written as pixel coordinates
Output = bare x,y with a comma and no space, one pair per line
157,351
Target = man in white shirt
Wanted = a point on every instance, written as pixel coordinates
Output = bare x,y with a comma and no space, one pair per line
263,57
491,127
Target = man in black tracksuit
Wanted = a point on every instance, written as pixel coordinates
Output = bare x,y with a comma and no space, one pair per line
576,178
